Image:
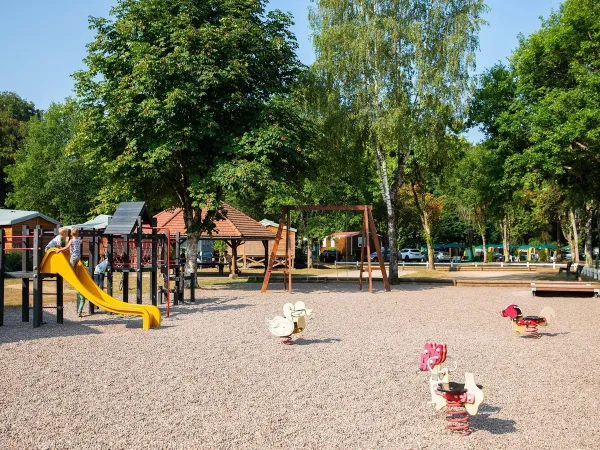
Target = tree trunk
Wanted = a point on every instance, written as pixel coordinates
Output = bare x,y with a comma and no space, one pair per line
589,210
430,246
575,250
191,262
567,230
309,253
190,217
484,247
393,272
390,201
426,227
505,225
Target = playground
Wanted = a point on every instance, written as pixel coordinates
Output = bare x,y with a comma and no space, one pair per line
213,376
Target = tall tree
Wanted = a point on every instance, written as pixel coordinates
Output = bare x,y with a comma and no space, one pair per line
558,85
49,177
401,69
15,112
190,98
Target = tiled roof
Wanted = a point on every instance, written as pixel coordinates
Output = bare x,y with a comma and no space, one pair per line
236,225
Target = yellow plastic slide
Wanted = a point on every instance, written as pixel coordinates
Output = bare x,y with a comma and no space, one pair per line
57,263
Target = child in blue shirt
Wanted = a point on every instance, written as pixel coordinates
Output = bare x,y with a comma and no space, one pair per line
59,241
99,272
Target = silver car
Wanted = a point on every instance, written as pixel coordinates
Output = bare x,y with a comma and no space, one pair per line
442,257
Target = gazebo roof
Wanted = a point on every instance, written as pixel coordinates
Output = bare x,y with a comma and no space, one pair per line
236,225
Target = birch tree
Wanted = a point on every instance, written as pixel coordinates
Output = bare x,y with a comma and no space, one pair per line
400,69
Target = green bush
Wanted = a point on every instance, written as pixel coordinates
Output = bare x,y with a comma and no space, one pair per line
13,261
490,257
220,246
543,255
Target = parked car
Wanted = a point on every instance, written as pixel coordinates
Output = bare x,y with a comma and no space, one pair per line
498,257
411,254
442,257
384,251
330,256
205,257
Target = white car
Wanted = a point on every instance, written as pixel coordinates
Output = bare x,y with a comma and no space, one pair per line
411,254
442,257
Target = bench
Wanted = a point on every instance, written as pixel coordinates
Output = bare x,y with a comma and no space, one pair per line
576,272
561,286
566,269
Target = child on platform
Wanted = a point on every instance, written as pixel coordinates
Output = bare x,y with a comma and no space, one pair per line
75,245
59,241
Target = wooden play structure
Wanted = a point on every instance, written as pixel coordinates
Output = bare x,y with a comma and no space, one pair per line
461,400
528,325
368,232
292,322
133,245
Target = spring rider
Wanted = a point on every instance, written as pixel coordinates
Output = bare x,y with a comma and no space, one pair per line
528,325
461,400
292,322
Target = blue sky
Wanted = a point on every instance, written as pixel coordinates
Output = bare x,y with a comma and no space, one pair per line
42,42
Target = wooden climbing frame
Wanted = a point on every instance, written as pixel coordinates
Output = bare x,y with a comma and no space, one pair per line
368,232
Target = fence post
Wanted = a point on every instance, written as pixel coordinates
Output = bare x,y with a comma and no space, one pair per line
37,277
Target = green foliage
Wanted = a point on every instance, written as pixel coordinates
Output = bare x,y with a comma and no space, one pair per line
46,176
15,113
543,255
13,261
398,72
220,246
185,100
558,70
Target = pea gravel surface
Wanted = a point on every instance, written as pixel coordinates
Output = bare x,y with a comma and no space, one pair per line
212,376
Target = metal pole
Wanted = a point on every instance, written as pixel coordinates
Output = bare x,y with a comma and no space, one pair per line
37,278
139,286
109,255
153,257
125,273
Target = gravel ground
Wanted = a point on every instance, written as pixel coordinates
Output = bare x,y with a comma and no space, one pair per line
213,377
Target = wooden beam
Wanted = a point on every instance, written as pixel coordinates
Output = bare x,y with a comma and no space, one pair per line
326,208
366,222
362,255
386,282
273,252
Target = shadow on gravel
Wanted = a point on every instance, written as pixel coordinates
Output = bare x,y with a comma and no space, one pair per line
15,331
553,334
493,425
316,341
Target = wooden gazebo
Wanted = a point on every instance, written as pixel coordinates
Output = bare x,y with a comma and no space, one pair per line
236,229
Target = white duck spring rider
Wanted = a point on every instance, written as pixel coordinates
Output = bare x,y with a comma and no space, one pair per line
292,322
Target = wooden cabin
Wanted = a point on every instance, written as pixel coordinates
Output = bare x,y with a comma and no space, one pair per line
12,222
252,252
349,244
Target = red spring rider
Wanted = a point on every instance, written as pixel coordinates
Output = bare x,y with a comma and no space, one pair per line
528,325
460,399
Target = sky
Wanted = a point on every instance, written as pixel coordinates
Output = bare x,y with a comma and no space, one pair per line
43,42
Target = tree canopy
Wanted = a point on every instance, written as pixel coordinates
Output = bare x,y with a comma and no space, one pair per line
187,99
